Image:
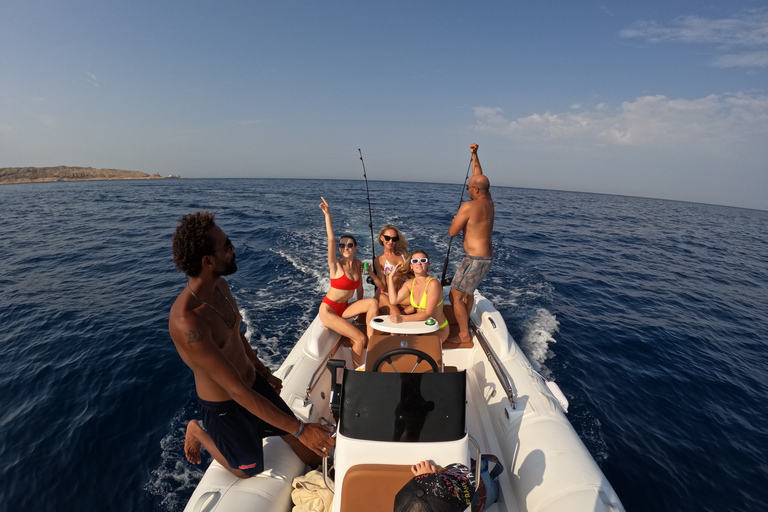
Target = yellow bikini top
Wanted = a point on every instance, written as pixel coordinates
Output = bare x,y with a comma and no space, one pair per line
423,303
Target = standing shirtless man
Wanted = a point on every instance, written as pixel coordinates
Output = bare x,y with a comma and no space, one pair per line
475,220
239,399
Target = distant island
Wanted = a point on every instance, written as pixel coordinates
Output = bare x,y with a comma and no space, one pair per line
64,173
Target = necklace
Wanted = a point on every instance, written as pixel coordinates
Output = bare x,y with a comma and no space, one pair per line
213,308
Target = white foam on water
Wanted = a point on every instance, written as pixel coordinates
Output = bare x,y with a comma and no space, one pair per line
271,349
175,479
320,275
591,432
522,314
247,321
538,332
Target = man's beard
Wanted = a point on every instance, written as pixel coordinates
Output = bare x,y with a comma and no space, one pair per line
227,268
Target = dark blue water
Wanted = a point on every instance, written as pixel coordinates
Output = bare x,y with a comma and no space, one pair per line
651,315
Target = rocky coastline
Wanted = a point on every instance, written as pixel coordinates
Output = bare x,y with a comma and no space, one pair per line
10,175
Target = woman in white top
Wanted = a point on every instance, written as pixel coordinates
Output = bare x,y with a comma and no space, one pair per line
395,250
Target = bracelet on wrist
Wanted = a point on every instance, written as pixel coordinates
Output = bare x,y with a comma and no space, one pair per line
301,429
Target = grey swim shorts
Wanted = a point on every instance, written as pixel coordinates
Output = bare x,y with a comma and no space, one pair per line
470,273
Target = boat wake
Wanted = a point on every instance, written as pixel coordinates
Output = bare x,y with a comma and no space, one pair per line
173,482
538,332
531,324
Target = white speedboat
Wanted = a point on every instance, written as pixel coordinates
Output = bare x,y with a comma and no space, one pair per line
484,397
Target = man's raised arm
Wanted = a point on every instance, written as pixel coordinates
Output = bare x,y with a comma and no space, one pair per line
476,169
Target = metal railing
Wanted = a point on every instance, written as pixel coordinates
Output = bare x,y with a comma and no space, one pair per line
320,368
498,369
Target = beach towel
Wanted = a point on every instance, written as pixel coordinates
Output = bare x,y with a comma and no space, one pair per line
310,494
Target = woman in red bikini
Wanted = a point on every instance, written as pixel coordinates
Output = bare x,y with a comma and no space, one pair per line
395,251
346,279
424,293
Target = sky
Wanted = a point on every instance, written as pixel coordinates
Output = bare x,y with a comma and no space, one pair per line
664,99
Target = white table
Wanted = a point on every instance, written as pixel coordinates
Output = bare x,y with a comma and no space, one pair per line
384,324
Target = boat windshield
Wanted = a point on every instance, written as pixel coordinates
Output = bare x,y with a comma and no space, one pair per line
403,407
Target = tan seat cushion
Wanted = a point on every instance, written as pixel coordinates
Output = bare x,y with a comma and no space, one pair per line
372,487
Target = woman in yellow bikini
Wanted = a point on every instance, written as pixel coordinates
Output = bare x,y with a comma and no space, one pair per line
395,251
426,294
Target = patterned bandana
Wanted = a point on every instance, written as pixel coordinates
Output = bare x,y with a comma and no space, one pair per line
450,490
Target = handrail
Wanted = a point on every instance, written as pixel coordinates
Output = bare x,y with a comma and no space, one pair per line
316,376
478,477
330,485
506,383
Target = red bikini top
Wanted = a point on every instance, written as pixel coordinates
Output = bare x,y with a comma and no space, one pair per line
344,283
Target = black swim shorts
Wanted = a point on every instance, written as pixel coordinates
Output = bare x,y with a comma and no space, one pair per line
237,433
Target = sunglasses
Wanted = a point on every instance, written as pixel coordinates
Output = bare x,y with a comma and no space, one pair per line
392,238
348,245
419,260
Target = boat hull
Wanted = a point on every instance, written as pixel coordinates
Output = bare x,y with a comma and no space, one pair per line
547,466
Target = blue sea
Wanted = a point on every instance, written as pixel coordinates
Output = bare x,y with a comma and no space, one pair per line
651,316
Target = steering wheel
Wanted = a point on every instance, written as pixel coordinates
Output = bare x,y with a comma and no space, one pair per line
387,356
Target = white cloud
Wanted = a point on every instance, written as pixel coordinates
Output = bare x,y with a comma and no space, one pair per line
745,29
647,121
743,60
748,29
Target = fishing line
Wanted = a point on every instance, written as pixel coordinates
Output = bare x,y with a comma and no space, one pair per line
369,280
443,280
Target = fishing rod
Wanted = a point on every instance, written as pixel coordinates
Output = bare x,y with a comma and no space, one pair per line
369,280
443,280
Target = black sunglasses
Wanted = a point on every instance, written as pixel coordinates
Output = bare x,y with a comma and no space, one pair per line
348,245
393,238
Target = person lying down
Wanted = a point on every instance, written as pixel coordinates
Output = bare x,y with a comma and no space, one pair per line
436,489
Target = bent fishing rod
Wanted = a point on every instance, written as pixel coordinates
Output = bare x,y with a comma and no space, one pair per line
369,280
443,280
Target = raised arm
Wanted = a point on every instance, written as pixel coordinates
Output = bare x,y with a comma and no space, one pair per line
396,296
332,258
476,169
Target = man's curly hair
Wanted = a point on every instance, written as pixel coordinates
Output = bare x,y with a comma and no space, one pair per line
191,241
